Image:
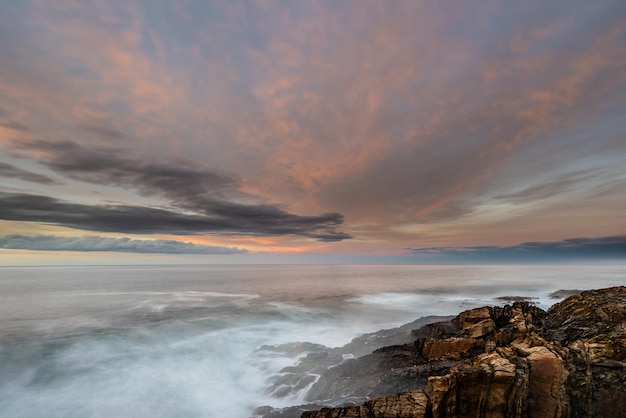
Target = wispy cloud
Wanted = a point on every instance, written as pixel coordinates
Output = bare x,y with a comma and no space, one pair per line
10,171
103,130
104,244
401,120
198,199
551,187
247,220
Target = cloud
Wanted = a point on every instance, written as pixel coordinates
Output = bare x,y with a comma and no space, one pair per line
15,126
103,131
184,181
246,220
551,187
96,243
613,247
410,117
201,200
10,124
10,171
413,119
213,197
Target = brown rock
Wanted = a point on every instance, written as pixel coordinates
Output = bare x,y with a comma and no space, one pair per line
450,348
489,387
480,329
404,405
586,315
546,390
515,362
473,316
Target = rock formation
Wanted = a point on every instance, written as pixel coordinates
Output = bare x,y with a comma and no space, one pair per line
512,361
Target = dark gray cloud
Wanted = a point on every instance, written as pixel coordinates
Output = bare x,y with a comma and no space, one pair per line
184,182
573,249
248,220
211,200
95,243
10,171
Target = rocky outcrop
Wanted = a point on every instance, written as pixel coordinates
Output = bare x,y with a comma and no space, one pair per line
351,373
512,361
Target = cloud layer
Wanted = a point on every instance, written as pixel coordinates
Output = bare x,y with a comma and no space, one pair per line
445,122
198,200
146,220
574,249
124,245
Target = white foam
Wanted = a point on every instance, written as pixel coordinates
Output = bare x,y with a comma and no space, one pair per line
185,352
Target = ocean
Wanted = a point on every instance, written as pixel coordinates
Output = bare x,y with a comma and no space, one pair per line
208,341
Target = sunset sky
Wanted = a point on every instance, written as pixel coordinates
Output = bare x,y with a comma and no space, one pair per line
311,131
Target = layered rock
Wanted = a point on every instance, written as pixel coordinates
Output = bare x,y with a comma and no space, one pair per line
512,361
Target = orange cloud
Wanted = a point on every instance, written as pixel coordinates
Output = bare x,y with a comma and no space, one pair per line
397,117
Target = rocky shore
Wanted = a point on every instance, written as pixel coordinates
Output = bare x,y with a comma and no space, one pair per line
510,361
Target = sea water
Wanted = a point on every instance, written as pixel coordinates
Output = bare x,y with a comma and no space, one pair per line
196,341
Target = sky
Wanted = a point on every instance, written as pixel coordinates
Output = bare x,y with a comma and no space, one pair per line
311,131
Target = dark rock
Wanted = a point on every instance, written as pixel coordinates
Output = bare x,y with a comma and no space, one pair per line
404,405
289,412
339,368
511,299
586,315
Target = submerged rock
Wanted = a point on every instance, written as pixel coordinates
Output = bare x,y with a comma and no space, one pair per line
513,361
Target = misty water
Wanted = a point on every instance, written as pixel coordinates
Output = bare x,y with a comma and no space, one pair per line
192,341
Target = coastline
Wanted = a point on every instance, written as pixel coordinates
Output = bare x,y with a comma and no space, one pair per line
511,361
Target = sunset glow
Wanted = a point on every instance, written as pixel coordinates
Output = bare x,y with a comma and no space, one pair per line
339,131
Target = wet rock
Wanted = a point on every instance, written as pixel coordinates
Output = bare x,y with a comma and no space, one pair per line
511,299
353,373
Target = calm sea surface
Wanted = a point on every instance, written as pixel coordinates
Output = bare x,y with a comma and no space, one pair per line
183,341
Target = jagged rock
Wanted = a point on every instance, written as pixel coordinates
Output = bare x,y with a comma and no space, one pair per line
473,316
514,361
586,315
346,379
480,329
404,405
592,326
491,386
